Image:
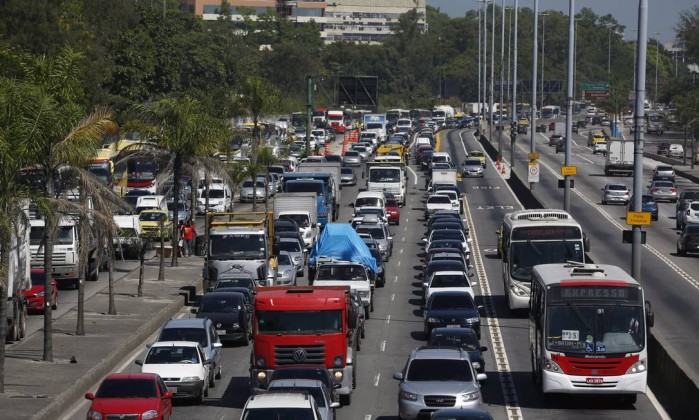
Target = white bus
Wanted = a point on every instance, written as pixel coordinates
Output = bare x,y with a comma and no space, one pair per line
587,330
531,237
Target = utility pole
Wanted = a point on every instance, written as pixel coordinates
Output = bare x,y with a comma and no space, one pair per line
502,75
639,116
535,51
309,112
514,89
657,51
479,72
543,48
492,73
569,101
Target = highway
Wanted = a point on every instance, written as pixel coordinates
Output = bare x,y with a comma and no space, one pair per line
396,325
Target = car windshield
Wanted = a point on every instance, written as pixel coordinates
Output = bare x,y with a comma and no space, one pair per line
450,280
664,169
184,334
449,301
468,342
375,232
666,184
300,219
476,153
384,175
351,153
525,255
447,234
221,304
172,355
127,388
368,202
289,246
237,245
63,237
347,171
438,199
472,162
588,328
284,259
615,187
421,370
147,216
647,199
235,282
278,413
299,322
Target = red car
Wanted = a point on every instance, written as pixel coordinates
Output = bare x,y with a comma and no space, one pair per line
125,394
392,210
36,298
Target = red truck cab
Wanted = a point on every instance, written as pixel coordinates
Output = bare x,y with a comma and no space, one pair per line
304,325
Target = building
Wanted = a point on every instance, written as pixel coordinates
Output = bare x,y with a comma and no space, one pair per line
363,21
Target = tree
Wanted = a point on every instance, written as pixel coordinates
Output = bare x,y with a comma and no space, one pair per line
688,32
186,139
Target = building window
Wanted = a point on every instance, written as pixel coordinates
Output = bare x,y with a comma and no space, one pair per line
307,12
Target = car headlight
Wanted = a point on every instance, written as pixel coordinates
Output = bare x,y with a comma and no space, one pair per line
364,293
476,365
297,259
432,320
337,375
94,415
383,247
150,414
551,366
236,325
405,395
288,273
190,379
471,396
473,320
40,294
638,367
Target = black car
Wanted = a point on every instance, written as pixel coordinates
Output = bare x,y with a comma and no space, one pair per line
541,128
561,146
455,309
463,338
688,240
581,124
448,224
381,275
230,314
448,243
663,148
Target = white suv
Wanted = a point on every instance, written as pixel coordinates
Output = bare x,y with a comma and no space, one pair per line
272,405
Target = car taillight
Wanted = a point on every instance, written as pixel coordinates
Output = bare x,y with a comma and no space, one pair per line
673,190
655,190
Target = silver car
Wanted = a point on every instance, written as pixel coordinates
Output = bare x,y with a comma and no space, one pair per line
247,194
615,192
435,378
352,158
380,233
472,167
286,270
688,214
663,190
348,176
315,388
296,250
664,172
363,151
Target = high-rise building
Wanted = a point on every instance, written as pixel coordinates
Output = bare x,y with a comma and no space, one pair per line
363,21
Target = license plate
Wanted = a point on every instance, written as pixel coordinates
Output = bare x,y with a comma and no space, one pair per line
453,326
172,389
594,381
221,332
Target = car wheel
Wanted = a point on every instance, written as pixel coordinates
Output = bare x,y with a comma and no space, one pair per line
604,202
212,381
220,372
199,399
55,304
682,252
359,342
363,333
345,399
366,313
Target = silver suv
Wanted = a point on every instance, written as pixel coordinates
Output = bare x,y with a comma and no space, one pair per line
436,378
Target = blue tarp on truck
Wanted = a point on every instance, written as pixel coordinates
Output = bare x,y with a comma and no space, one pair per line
341,242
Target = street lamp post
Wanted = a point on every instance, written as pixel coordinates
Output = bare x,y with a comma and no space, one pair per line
492,72
634,61
479,70
514,86
609,47
509,55
502,74
543,47
569,101
657,50
535,48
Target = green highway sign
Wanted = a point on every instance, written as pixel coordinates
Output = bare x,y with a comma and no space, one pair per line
594,86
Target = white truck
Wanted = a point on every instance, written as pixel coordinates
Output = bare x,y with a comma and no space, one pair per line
335,171
129,232
66,251
559,128
442,177
300,208
18,280
619,158
391,177
376,123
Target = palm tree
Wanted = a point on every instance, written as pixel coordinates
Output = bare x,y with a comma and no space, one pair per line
259,97
186,138
54,130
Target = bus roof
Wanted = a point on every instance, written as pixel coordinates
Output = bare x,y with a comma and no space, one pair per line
577,274
537,216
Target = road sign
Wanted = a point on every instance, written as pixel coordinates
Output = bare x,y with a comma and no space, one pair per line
533,156
533,173
569,170
638,218
594,86
595,95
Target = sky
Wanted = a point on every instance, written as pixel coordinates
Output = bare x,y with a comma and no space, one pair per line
663,15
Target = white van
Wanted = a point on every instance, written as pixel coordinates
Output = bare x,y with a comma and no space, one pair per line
220,198
129,232
370,199
151,202
441,157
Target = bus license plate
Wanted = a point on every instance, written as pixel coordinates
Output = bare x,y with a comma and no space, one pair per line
594,381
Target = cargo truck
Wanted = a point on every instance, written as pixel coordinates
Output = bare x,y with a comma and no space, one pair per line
300,325
619,158
335,184
16,259
301,208
391,177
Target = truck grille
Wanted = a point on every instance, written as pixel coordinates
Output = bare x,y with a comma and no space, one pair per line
440,400
291,355
58,258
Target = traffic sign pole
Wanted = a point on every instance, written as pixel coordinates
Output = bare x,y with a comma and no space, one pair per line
569,105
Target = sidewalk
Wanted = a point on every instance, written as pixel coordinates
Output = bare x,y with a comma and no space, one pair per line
40,390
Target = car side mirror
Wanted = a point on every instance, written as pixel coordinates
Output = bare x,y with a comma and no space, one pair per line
89,396
481,377
650,315
168,395
471,275
138,362
218,345
398,376
480,307
334,404
207,362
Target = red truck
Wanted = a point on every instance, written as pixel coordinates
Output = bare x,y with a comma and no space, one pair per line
300,325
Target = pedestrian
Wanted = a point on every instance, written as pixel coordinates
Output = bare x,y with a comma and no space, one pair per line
188,234
180,242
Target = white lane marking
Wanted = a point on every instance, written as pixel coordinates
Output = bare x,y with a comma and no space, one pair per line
383,345
367,417
661,411
691,280
407,221
414,175
395,279
393,296
581,157
507,384
388,319
512,193
398,264
376,379
401,251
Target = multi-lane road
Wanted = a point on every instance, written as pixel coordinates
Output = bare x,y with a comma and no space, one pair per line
396,325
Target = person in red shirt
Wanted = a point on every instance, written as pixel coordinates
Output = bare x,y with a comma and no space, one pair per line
188,234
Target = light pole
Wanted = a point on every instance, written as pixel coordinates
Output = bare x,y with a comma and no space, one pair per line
479,71
485,57
569,101
492,71
634,61
657,50
543,46
509,54
575,57
502,73
535,48
514,88
610,25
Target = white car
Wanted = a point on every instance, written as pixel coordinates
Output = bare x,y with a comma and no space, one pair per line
437,202
453,197
688,214
449,281
320,393
280,405
183,367
600,147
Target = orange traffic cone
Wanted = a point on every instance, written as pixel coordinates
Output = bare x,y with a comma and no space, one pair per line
327,148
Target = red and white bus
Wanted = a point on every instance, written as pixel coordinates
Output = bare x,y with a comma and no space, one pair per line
587,330
337,120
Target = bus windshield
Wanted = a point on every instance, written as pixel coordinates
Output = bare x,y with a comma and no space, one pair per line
590,328
525,255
